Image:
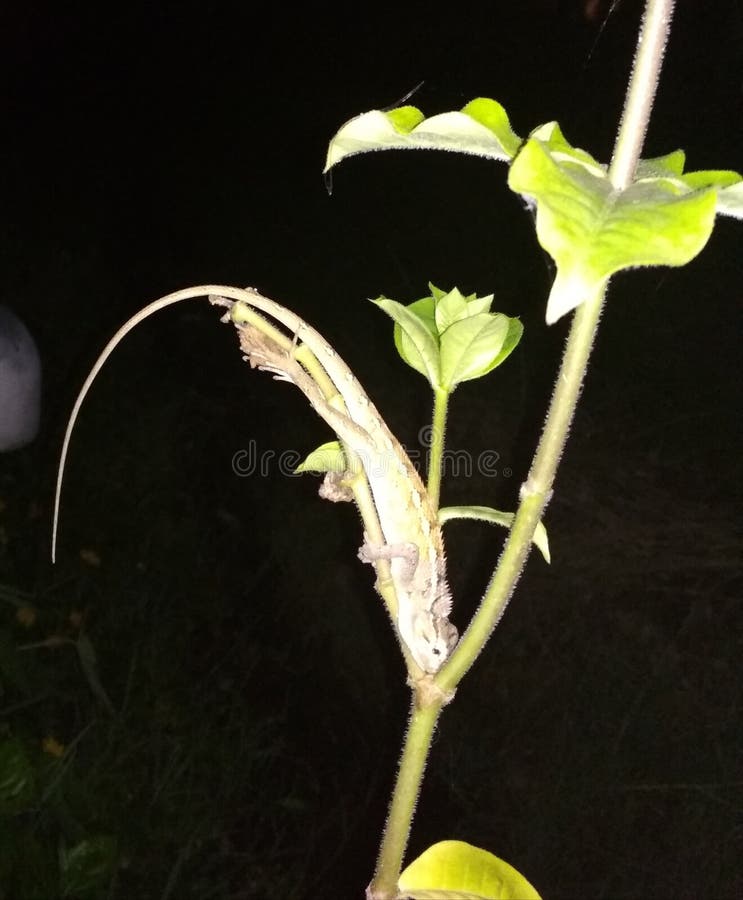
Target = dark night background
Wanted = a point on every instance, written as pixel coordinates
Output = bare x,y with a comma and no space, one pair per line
259,699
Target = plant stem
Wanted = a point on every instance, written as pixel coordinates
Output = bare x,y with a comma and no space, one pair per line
537,489
438,430
638,104
407,787
536,492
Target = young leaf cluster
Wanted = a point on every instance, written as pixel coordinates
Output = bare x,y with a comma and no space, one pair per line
450,338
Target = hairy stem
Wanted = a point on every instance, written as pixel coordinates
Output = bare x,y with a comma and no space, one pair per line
537,490
535,494
409,777
438,430
638,103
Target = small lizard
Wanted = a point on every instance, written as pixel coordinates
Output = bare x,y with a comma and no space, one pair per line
413,543
412,534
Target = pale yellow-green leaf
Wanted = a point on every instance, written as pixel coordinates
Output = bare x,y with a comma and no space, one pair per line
661,166
425,310
455,870
326,458
450,338
515,331
450,308
495,517
554,141
470,347
479,305
493,116
729,189
730,201
419,346
481,128
592,230
405,118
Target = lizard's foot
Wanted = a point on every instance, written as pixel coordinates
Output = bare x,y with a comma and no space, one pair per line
408,552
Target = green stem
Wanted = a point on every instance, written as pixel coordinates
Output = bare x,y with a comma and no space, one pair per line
638,104
407,787
438,431
535,495
537,489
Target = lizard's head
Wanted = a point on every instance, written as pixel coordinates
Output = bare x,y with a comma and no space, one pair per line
434,640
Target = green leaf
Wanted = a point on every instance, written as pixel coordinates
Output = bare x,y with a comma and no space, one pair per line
470,348
17,778
493,116
480,128
420,344
455,869
425,310
551,136
495,517
662,166
450,338
515,331
712,178
405,118
592,231
87,866
729,189
326,458
450,308
477,305
730,200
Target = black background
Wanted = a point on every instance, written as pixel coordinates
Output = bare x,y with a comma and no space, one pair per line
148,148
